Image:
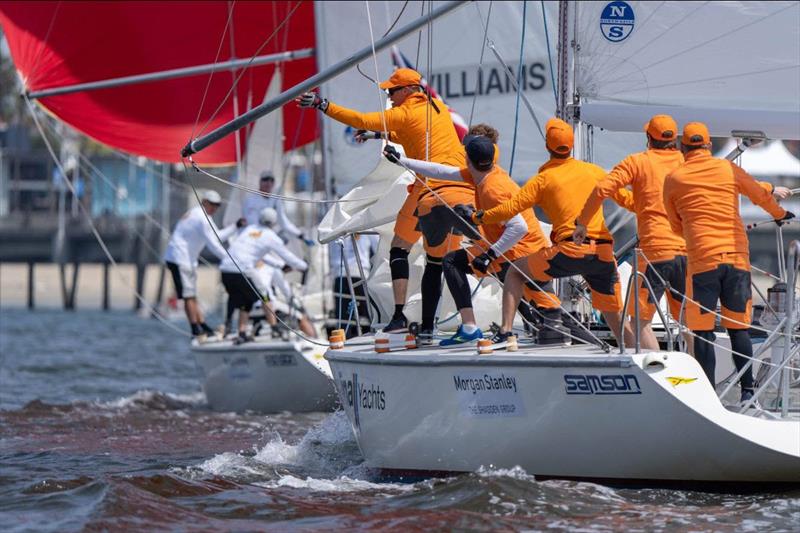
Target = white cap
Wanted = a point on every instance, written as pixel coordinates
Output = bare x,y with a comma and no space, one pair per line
212,197
267,216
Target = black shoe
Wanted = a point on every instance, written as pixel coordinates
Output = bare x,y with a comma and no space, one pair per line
747,395
242,338
425,337
397,324
501,336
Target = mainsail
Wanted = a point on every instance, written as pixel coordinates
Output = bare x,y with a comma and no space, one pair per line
733,65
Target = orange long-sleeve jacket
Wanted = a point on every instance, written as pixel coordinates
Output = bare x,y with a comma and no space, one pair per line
701,198
408,126
561,188
644,172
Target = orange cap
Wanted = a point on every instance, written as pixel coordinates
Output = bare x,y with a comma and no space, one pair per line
695,134
402,77
559,136
662,128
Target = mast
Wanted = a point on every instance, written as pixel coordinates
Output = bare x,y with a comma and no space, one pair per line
267,107
319,27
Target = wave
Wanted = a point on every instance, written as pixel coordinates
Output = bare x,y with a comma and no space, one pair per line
144,399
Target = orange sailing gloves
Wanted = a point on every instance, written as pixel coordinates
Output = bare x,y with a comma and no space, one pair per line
310,99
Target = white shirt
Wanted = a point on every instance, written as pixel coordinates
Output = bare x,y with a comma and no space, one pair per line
191,234
252,244
254,203
367,246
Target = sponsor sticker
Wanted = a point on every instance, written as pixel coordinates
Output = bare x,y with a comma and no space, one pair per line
488,394
361,394
239,368
675,381
602,384
617,21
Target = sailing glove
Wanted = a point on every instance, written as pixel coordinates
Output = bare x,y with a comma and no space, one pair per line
242,222
391,153
312,100
482,262
788,216
362,136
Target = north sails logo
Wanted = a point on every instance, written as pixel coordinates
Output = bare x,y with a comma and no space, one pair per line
616,21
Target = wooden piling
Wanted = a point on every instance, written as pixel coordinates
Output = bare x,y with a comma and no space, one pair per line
31,288
106,302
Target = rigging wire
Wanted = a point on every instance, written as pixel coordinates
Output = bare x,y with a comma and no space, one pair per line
37,59
89,220
480,61
391,27
245,68
519,85
549,54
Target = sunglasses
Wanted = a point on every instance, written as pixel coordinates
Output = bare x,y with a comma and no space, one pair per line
393,90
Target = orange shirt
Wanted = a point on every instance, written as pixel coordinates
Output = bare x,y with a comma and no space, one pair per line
561,188
408,124
494,189
645,173
701,198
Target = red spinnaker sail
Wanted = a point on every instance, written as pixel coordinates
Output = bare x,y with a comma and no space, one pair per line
55,44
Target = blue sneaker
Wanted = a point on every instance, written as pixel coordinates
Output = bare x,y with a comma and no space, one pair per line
460,337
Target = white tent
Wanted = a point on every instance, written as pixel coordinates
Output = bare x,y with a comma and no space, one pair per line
766,159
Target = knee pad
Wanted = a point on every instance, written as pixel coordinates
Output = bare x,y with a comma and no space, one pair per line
398,263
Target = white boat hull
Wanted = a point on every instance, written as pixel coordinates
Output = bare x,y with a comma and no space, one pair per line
265,376
562,412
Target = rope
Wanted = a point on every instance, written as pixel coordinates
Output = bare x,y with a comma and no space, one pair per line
391,27
88,217
549,53
519,86
247,279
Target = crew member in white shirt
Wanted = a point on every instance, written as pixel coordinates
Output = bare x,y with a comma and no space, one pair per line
193,232
253,243
269,278
255,203
367,248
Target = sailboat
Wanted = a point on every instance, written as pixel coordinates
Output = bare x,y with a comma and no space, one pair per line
575,411
143,87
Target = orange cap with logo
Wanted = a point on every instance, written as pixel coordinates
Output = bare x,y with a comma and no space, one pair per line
559,136
695,134
662,128
402,77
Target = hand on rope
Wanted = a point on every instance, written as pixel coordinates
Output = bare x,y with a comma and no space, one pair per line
483,261
781,193
391,153
477,217
788,216
579,235
310,99
465,225
362,136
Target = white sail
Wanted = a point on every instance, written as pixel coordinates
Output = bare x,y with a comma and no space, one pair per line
733,65
457,42
264,152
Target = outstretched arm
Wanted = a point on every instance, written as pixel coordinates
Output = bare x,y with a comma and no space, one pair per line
525,198
611,186
432,170
757,193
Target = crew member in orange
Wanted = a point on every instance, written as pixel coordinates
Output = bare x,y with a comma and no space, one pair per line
665,250
701,198
561,188
425,129
500,243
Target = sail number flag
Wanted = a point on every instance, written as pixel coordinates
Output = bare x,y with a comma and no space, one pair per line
58,44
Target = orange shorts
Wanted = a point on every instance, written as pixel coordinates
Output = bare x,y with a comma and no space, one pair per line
541,296
594,261
405,226
670,270
721,277
437,222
